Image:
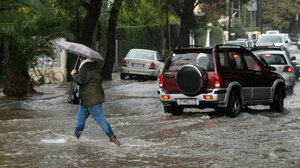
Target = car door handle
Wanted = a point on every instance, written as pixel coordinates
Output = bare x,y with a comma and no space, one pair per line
169,76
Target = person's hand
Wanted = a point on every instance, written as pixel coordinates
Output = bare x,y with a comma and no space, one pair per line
73,72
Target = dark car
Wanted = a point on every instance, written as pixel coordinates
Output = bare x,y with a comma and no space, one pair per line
224,77
296,64
294,38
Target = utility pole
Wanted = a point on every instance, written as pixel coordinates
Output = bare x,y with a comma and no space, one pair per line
167,28
229,14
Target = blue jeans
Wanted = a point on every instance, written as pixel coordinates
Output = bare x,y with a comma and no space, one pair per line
97,114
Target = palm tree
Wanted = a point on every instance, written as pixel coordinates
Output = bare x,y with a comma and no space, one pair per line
10,29
24,33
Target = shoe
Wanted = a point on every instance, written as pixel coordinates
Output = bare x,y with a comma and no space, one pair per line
114,140
72,138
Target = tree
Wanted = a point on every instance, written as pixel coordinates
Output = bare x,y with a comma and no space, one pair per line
31,32
141,12
185,11
93,10
111,38
9,27
280,15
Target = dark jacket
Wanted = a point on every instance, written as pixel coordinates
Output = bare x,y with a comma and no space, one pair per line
90,81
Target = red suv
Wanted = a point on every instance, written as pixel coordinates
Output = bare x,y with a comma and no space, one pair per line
225,77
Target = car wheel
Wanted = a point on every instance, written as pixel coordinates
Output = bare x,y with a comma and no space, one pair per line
173,109
278,101
122,76
234,104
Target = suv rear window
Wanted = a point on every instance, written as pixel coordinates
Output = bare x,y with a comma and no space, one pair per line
274,59
201,59
272,38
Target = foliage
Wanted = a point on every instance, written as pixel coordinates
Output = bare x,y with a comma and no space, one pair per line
238,29
279,15
146,37
216,36
37,33
27,26
143,13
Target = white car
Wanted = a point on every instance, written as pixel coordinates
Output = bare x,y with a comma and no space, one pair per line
141,62
280,39
279,58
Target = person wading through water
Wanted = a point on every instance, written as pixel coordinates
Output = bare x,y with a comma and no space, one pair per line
91,97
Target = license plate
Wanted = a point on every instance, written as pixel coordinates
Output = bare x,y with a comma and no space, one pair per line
137,65
188,102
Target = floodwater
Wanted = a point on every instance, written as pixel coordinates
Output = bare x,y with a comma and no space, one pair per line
37,132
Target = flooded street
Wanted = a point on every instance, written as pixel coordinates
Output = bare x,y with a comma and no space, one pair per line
37,132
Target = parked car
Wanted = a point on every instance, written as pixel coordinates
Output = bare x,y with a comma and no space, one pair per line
296,64
224,77
279,58
141,62
274,40
298,43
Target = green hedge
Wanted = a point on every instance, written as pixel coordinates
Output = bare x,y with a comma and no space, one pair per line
152,37
216,36
144,37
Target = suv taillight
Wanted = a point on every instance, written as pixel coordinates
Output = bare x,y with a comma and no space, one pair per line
287,69
124,63
217,81
152,66
161,81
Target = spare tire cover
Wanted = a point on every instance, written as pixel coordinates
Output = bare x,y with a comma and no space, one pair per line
190,79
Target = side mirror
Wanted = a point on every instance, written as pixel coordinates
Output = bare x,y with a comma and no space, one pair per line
293,58
286,41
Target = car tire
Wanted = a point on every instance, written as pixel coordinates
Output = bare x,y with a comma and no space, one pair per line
278,101
234,104
191,79
173,109
122,76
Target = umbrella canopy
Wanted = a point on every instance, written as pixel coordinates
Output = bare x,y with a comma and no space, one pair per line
80,50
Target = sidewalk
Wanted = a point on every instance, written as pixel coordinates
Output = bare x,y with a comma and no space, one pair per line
49,91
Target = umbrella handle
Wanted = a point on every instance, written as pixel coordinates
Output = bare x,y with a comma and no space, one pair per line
76,64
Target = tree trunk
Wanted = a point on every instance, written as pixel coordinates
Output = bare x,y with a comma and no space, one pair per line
259,15
4,55
90,21
187,18
93,10
17,83
111,40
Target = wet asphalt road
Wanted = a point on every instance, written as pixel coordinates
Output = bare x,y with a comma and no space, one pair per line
37,133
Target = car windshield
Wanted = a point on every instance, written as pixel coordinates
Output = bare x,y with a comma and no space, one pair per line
273,39
137,54
201,59
274,59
